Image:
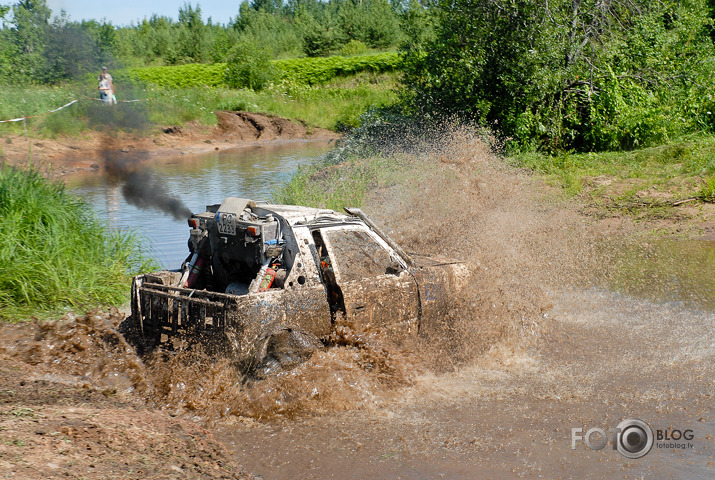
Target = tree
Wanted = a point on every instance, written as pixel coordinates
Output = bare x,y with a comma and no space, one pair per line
579,74
28,36
70,52
248,66
373,22
320,36
194,41
104,37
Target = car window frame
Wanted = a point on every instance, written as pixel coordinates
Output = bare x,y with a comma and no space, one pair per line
336,264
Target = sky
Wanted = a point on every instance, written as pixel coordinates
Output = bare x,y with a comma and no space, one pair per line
124,12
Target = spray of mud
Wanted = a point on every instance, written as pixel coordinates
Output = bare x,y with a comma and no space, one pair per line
460,200
456,199
356,368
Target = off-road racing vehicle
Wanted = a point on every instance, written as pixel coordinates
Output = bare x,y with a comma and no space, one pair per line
268,282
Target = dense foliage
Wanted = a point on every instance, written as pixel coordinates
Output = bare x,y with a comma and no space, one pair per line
248,68
54,252
320,70
37,48
557,75
569,74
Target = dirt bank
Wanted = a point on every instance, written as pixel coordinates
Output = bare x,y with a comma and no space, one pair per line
68,155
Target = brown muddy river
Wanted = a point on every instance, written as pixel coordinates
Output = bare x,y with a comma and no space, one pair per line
564,327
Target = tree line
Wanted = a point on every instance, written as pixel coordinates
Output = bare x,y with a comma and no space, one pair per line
551,75
570,74
39,47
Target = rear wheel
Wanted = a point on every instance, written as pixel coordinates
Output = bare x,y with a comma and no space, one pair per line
283,349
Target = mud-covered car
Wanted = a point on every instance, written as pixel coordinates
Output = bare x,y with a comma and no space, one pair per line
268,282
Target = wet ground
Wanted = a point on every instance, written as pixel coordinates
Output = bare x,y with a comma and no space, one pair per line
566,325
608,357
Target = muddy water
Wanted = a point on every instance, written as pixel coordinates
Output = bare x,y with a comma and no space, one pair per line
559,329
198,180
608,357
666,270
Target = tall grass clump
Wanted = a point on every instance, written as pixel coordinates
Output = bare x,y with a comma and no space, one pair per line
55,254
326,186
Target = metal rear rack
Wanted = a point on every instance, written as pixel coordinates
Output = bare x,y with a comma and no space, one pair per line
167,310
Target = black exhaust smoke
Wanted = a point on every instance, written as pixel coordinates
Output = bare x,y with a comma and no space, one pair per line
143,190
140,185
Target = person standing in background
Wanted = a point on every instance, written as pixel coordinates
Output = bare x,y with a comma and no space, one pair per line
111,98
105,91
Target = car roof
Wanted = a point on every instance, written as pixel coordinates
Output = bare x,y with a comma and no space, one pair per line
295,214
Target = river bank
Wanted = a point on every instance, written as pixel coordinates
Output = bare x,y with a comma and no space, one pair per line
66,156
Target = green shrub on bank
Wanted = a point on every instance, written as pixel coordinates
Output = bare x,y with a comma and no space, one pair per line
323,69
353,47
177,76
54,252
248,66
311,71
568,75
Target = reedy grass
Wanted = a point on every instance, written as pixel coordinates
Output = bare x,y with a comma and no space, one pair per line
54,252
325,186
333,185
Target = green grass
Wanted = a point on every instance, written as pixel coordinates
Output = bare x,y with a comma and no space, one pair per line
326,186
707,192
333,105
24,101
348,183
54,252
662,166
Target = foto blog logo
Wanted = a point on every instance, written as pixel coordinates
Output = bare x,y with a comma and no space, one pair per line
632,438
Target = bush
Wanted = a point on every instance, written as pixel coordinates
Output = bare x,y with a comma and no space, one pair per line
176,76
320,70
250,64
248,67
353,47
567,75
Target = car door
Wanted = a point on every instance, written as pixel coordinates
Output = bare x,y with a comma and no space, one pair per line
377,289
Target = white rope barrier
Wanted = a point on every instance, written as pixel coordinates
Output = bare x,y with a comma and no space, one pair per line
20,119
